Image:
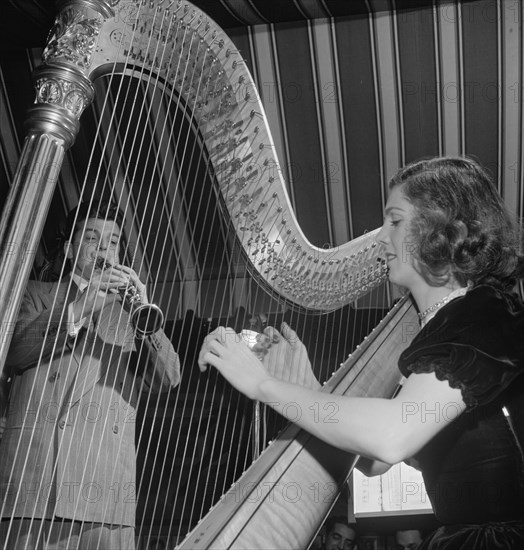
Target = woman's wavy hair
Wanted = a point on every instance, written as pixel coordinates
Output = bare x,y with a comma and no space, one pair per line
462,228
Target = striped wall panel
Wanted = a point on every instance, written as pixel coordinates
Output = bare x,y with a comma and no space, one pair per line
389,86
361,125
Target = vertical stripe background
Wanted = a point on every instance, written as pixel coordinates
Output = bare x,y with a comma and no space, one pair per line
391,84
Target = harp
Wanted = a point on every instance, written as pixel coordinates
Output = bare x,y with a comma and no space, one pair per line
176,48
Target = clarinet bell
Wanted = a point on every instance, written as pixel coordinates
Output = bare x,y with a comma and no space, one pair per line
146,319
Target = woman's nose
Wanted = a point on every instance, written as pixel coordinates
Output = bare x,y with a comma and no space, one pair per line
382,235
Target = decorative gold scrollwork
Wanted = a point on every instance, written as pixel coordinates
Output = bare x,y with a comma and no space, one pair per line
73,38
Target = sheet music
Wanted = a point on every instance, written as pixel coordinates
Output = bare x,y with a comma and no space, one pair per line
400,489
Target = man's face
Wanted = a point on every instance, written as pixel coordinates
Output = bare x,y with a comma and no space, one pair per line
341,537
94,238
408,540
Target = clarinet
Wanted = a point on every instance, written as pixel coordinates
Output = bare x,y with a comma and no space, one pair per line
146,319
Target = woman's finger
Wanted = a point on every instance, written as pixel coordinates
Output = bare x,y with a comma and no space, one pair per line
289,334
273,334
213,343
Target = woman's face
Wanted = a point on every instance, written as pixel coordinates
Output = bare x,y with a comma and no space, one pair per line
395,238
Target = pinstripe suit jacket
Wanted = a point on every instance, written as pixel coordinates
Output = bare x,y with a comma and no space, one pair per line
68,449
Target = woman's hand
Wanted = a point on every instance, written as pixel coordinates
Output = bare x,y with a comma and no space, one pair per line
225,350
280,355
286,357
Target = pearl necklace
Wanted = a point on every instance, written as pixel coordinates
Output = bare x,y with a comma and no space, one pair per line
453,294
423,314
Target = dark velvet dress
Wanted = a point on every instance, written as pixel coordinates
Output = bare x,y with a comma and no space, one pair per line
474,468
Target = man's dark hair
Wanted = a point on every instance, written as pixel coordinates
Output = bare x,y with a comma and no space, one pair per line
101,209
96,208
330,523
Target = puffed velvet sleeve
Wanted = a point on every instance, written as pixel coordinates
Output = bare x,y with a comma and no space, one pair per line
475,343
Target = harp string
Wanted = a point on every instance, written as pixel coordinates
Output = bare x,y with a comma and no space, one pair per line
32,392
200,206
235,462
141,231
33,389
125,208
154,282
85,480
245,281
156,500
25,456
60,399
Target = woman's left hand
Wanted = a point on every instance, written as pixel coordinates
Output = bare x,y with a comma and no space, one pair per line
226,350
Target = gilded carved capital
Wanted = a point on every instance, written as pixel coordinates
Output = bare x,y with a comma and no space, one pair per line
62,94
63,86
69,95
74,37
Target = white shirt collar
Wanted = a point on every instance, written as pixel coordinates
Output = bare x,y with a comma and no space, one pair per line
80,282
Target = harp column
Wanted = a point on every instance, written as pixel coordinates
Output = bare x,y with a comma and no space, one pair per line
63,91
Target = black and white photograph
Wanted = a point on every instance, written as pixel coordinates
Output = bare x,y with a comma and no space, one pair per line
261,274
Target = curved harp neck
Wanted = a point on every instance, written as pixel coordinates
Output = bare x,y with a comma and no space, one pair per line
222,102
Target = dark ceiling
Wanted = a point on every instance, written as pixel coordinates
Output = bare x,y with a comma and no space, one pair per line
26,23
